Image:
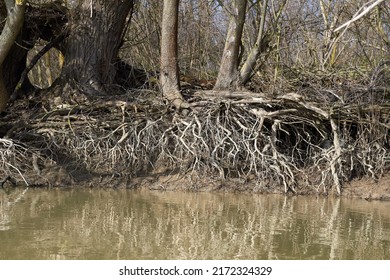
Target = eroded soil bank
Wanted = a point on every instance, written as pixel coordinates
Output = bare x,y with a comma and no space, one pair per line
364,188
241,141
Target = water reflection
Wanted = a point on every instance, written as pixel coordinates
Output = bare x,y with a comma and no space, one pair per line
125,224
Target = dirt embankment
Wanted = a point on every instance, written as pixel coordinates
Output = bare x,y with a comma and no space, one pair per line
364,188
368,189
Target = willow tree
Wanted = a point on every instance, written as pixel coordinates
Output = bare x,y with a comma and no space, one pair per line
12,26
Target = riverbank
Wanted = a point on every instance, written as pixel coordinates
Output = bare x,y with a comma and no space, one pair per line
241,141
363,188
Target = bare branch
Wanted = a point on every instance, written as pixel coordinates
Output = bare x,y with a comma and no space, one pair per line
359,14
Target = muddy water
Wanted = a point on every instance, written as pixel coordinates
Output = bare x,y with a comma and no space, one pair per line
126,224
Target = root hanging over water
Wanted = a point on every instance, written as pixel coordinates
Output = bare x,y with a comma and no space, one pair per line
286,143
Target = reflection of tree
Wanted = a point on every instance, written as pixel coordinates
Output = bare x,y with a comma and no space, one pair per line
109,224
7,202
215,226
334,232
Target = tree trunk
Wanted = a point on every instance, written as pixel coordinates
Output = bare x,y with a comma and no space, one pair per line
15,64
4,95
169,75
229,76
250,63
13,24
96,31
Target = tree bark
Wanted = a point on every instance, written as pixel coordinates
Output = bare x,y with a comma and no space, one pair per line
250,63
169,74
229,76
13,24
96,31
4,95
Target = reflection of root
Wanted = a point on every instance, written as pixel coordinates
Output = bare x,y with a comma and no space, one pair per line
6,203
18,198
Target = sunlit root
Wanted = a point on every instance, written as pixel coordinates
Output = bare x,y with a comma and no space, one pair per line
282,143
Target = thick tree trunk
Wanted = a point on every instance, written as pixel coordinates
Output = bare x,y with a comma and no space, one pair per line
96,30
13,24
229,76
169,75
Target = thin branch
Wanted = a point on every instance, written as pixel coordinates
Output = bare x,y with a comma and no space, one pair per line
358,16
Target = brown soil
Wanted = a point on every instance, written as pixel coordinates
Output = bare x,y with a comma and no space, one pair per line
369,189
174,181
360,188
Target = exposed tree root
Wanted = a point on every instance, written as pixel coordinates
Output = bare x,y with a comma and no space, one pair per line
285,143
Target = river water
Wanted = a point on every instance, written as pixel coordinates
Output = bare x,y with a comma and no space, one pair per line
140,224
